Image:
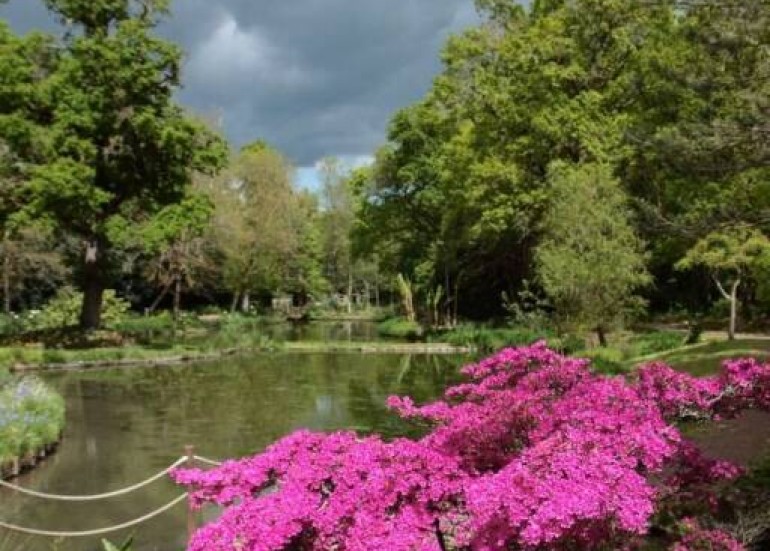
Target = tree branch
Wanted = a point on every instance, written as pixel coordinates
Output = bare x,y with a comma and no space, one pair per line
721,288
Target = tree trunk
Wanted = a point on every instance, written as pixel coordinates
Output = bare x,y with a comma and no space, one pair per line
177,296
6,278
377,285
93,287
246,302
235,302
456,303
448,300
350,291
440,536
602,336
732,298
159,299
733,310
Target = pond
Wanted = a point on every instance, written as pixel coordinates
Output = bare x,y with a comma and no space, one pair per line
342,330
124,425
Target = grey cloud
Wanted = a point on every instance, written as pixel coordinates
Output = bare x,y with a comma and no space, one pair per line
314,77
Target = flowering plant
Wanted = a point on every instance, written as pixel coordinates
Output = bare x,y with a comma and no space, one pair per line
534,452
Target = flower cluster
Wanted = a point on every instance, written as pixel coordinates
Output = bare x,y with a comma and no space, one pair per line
534,452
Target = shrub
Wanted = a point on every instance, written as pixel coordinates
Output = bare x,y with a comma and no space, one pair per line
568,344
141,325
11,325
608,361
63,310
534,452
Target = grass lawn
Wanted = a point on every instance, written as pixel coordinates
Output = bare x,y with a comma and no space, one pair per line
706,358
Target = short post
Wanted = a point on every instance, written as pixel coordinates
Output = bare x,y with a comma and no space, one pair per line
191,524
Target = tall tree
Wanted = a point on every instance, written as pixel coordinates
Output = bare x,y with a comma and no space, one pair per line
27,248
255,221
338,217
697,156
463,181
590,261
120,148
303,276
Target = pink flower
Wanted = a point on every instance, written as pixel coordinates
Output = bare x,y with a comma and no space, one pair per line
534,451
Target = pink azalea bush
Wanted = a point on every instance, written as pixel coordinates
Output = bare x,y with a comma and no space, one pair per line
534,452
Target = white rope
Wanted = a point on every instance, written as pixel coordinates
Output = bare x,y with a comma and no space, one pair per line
207,461
97,532
123,491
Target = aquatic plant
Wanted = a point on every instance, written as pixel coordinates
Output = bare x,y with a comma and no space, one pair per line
535,451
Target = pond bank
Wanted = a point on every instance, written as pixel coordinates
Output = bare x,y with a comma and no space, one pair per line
163,359
424,348
159,361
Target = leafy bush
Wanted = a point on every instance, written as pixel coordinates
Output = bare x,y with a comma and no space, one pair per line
63,310
140,325
31,416
694,333
568,344
11,325
608,361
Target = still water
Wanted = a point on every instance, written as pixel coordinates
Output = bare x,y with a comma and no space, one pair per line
124,425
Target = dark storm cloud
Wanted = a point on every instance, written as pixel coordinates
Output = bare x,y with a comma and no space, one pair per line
314,77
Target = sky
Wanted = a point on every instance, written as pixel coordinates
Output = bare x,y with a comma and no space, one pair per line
313,77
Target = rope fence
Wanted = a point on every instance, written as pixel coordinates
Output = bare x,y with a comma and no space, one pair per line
96,497
189,460
98,531
208,461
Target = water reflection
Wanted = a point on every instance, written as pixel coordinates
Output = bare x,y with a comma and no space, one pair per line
124,425
342,330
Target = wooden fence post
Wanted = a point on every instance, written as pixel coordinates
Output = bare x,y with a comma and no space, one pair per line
189,451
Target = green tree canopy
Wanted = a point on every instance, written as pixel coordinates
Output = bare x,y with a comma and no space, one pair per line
590,262
258,227
118,145
731,255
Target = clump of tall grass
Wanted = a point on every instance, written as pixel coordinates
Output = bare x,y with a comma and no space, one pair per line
400,328
487,339
237,331
31,416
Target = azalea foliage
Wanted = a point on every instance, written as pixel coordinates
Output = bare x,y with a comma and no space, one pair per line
535,451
